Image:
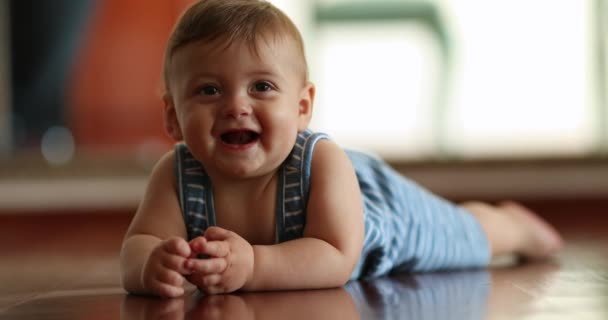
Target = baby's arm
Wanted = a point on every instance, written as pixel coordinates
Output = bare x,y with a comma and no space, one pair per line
326,255
333,237
154,250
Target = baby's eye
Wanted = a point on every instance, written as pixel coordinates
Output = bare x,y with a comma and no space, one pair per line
208,90
262,86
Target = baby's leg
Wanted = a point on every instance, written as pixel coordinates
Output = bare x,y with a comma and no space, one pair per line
514,229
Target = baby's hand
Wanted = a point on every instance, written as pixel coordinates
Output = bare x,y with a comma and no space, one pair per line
230,262
164,269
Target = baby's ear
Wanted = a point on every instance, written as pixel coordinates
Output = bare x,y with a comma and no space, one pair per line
307,97
172,126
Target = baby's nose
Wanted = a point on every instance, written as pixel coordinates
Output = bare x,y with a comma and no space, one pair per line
237,106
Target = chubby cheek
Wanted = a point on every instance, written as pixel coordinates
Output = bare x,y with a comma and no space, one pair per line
282,132
197,133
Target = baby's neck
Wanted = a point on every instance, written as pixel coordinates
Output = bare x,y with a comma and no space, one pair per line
248,208
250,188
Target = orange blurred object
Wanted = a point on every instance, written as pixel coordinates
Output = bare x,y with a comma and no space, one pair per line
116,85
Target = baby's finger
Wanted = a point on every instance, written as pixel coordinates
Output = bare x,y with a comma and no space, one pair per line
171,278
217,249
176,263
212,280
217,233
213,289
207,266
177,246
166,290
197,244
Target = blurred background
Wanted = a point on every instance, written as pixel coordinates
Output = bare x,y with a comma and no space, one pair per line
473,99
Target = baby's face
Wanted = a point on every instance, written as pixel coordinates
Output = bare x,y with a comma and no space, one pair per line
238,109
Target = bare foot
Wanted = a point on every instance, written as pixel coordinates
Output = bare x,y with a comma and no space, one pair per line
540,239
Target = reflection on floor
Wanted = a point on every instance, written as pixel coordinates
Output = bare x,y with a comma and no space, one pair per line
66,267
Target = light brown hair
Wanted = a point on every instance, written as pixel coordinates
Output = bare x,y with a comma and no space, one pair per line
232,20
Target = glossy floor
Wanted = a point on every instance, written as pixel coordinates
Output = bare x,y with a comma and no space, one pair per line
66,267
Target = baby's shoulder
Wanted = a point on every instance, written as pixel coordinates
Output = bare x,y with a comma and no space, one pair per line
164,168
167,160
327,155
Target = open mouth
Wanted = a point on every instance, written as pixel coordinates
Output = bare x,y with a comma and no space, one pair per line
240,137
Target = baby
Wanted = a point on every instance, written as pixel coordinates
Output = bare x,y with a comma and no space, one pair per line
251,199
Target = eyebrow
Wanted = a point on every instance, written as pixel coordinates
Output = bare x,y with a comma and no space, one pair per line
265,73
255,73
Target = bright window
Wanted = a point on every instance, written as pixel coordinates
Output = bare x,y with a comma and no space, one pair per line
520,79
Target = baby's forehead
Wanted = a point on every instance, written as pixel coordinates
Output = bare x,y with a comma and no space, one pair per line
267,49
261,42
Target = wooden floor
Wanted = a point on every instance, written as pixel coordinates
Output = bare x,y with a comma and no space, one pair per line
66,267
